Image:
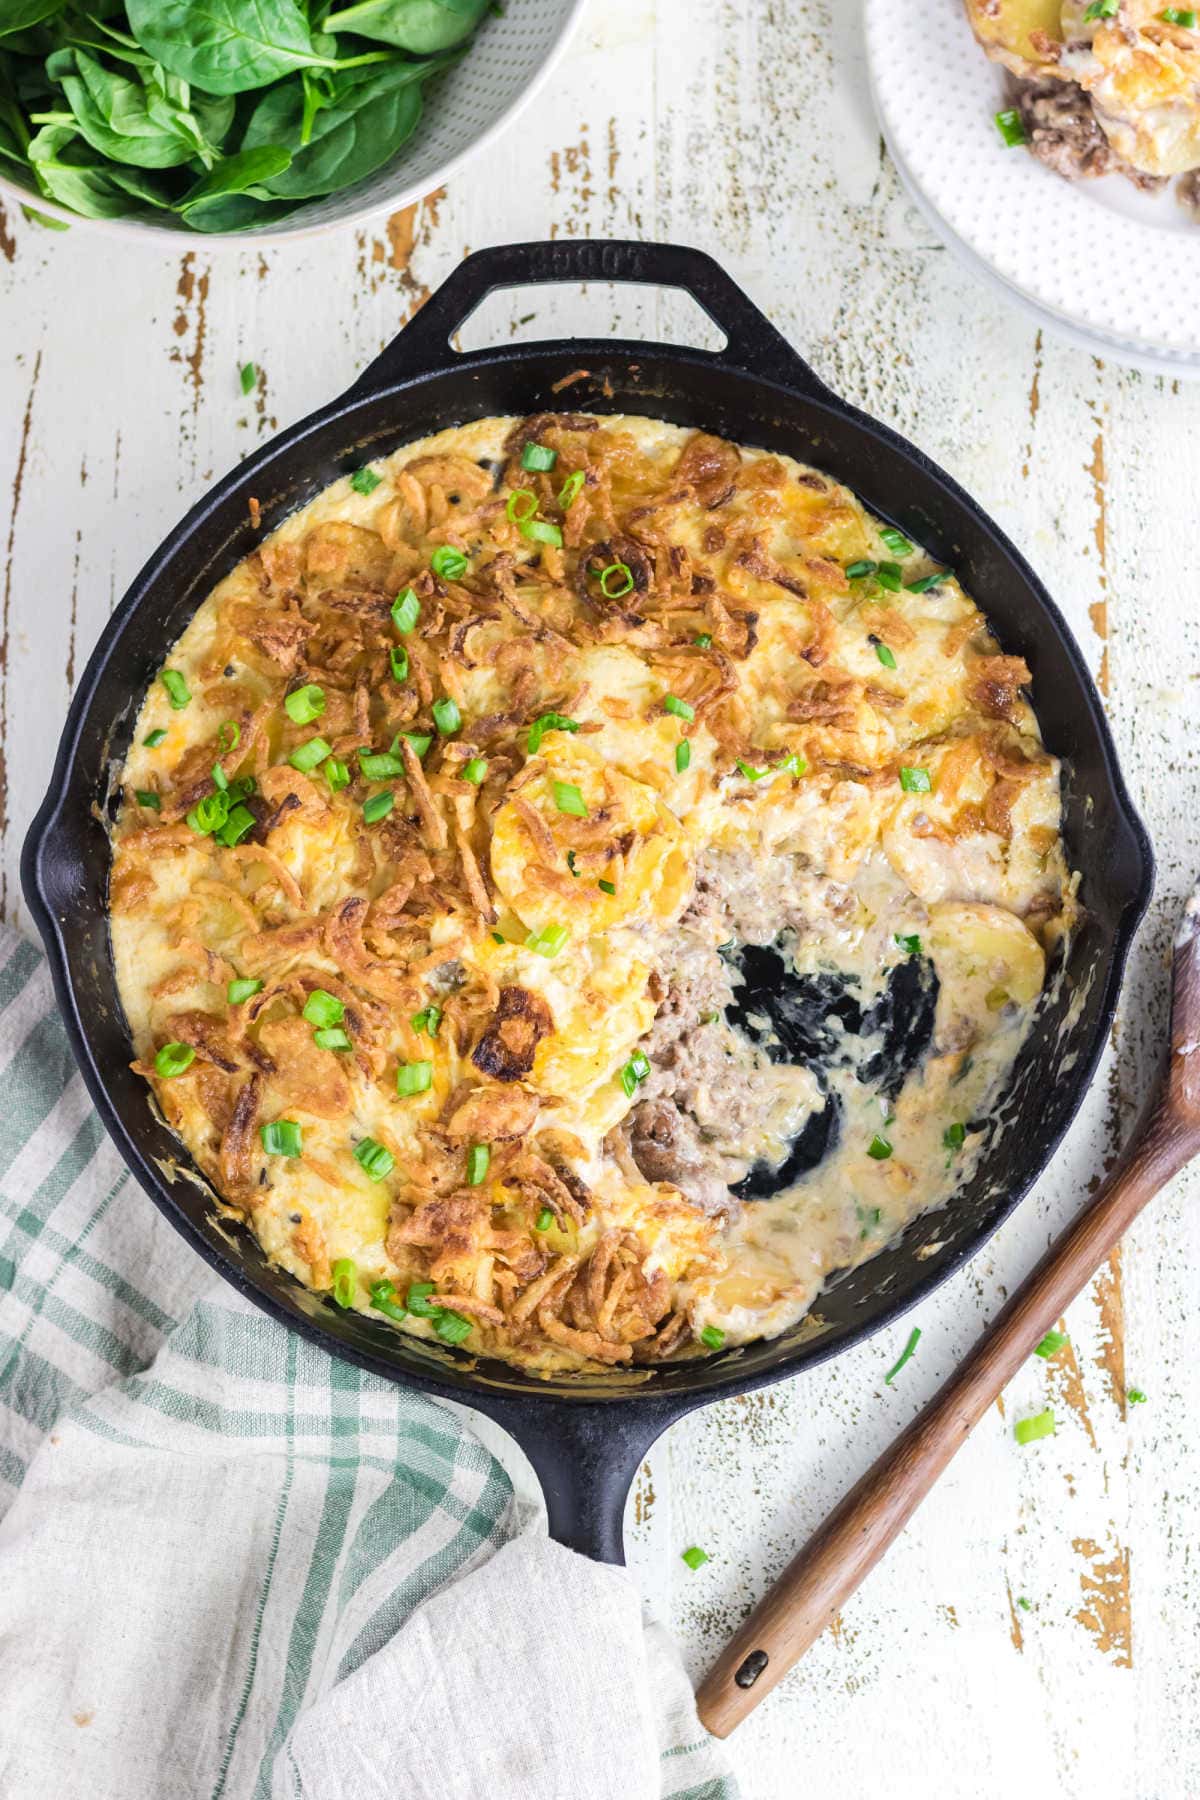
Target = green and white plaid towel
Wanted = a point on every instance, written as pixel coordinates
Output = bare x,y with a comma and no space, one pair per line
231,1566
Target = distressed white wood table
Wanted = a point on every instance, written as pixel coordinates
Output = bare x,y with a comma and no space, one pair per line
744,126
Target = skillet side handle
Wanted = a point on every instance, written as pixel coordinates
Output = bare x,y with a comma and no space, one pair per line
585,1457
753,342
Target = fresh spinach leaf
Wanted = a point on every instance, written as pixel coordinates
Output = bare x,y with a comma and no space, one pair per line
225,46
368,116
126,120
246,172
21,15
64,173
422,27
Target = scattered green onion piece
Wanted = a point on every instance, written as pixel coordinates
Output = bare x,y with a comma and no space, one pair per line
995,998
282,1137
229,737
703,639
879,1149
885,656
571,864
154,738
551,721
365,481
419,740
888,576
538,459
570,489
178,691
694,1557
478,1158
419,1302
305,703
322,1008
795,764
336,774
374,1159
634,1073
568,799
385,1299
240,821
1135,1397
548,941
914,1339
954,1137
750,773
249,377
1051,1344
450,564
682,709
1179,15
446,716
451,1327
220,779
522,504
1102,9
498,937
929,581
540,531
380,765
427,1020
378,807
309,756
683,755
173,1059
345,1281
1023,1603
475,770
1011,126
915,781
406,610
856,570
414,1078
244,988
147,797
616,580
209,814
910,945
712,1337
544,1220
398,657
607,887
1041,1425
896,541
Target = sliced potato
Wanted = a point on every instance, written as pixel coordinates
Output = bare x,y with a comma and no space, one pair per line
985,956
1005,28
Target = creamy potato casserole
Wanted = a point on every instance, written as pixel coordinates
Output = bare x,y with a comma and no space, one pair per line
580,883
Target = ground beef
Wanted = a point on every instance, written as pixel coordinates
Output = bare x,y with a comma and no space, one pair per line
1062,129
666,1146
747,898
1187,192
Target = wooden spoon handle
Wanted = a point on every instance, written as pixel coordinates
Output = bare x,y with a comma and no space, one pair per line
821,1578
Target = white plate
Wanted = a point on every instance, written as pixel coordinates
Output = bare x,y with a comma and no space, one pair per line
1097,258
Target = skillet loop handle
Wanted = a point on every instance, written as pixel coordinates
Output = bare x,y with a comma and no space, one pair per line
753,342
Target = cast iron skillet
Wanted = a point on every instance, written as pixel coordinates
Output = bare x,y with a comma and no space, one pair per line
586,1437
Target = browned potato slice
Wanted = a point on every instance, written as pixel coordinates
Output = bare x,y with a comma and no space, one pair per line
1007,28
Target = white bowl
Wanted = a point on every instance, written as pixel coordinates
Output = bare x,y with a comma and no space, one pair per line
506,62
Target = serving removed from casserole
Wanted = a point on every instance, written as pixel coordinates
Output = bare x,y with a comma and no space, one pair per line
579,884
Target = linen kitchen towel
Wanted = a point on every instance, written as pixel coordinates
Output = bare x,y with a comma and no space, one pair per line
231,1566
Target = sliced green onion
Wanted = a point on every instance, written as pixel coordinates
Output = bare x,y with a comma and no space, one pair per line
1135,1397
220,778
954,1137
569,492
229,736
522,504
498,937
241,788
703,639
332,1037
240,821
406,610
385,1299
398,657
173,1059
478,1158
345,1281
309,756
282,1137
540,531
694,1557
244,988
550,721
607,887
1023,1603
544,1220
365,481
322,1008
856,570
885,656
634,1073
929,581
1102,9
419,741
154,738
1041,1425
451,1327
879,1149
911,945
683,755
446,716
419,1302
381,765
147,797
616,580
374,1159
750,773
475,770
178,691
1011,126
915,781
1179,15
795,764
448,563
896,541
538,458
209,814
914,1339
1051,1344
548,941
248,377
568,799
305,703
414,1078
378,807
889,576
336,774
682,709
427,1020
571,864
712,1337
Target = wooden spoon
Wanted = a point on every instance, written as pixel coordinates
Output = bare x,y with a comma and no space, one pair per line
822,1577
